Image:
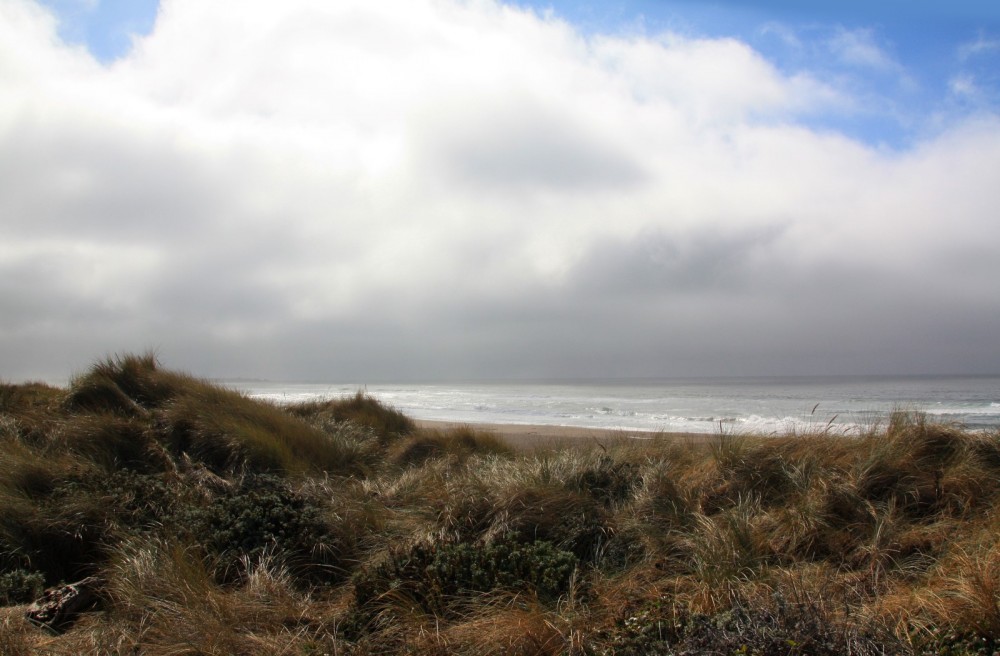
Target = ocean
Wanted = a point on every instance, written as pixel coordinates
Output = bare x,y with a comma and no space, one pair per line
772,405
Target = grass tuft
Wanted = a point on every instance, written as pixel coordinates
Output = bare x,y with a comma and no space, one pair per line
458,444
363,410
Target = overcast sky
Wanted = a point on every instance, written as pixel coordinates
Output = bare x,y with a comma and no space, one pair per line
362,191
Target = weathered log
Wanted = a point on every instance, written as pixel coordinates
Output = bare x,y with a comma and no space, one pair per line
59,607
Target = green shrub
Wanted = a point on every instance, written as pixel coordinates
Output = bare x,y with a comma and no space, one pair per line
569,520
441,577
262,518
71,532
20,586
538,566
781,627
130,499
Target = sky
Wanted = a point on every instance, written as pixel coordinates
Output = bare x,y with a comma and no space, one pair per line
423,190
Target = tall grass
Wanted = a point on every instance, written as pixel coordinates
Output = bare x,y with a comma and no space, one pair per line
217,427
362,410
224,525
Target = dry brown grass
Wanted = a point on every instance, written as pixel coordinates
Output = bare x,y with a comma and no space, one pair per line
163,597
509,631
456,444
884,541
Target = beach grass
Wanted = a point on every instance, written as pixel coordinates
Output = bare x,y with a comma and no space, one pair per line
218,524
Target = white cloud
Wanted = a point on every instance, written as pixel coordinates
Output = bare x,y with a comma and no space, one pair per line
860,48
784,34
964,85
310,181
982,45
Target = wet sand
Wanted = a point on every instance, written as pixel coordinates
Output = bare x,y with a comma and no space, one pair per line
535,436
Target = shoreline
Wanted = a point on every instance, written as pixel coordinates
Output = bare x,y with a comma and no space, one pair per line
535,436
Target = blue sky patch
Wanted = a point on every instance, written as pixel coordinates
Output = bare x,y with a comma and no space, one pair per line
106,27
910,65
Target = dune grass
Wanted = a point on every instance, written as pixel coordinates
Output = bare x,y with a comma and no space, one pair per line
223,525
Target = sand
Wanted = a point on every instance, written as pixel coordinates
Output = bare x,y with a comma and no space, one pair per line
534,436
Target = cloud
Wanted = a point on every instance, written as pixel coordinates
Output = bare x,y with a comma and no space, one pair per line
982,45
964,85
977,83
860,48
783,34
440,188
508,145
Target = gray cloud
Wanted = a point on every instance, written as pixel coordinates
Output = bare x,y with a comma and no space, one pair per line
707,260
525,148
91,180
478,192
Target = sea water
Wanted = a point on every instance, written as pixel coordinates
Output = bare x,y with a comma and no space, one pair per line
777,405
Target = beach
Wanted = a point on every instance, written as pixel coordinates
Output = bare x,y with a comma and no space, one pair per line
764,406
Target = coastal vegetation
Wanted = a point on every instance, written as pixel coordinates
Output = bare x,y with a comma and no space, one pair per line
210,523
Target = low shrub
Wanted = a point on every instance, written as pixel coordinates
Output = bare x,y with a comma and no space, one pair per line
133,500
20,586
754,629
571,521
540,567
265,518
440,578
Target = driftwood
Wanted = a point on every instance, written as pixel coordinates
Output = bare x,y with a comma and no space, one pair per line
59,607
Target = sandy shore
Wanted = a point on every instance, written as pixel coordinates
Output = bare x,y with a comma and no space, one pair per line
534,436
